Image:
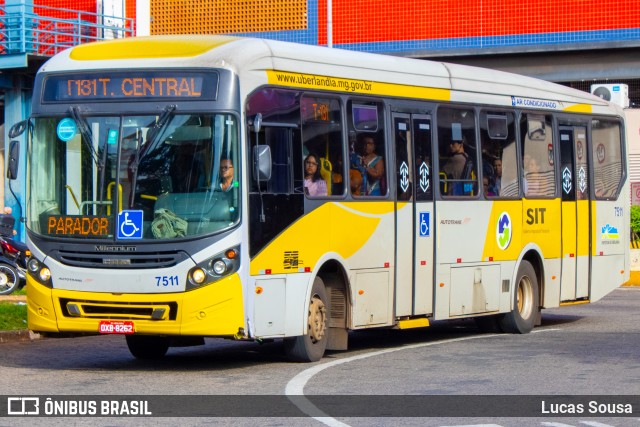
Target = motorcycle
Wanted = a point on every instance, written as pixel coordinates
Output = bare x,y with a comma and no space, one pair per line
13,265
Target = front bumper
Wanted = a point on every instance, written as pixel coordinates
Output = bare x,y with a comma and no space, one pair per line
215,310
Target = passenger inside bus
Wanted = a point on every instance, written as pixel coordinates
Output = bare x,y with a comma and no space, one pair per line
455,167
486,189
372,167
314,185
355,180
227,181
497,178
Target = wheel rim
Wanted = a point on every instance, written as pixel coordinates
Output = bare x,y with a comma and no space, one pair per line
317,319
525,297
7,278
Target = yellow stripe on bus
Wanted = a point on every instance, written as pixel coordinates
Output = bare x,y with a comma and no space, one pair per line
578,302
342,228
413,323
579,108
529,221
339,84
148,47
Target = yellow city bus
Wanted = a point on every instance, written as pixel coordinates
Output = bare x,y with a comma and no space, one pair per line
183,187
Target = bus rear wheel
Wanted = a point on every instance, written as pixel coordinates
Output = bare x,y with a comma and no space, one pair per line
522,318
147,347
311,346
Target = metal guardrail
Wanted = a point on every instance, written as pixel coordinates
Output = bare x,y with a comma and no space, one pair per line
48,30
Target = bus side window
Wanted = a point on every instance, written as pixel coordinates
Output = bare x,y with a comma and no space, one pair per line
322,146
499,158
538,178
367,163
278,107
457,150
423,167
607,158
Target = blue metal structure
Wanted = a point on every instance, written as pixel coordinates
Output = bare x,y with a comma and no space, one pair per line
27,40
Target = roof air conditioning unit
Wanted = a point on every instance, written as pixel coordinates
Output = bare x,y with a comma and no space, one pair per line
617,93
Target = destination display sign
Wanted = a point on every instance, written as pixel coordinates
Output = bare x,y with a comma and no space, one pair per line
131,85
78,226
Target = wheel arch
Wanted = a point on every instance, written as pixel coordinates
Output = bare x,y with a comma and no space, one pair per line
535,259
533,254
336,280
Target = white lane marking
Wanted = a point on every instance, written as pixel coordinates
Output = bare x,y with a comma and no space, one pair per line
589,423
555,424
477,425
295,387
595,424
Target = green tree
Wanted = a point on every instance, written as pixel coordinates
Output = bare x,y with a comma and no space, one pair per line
635,219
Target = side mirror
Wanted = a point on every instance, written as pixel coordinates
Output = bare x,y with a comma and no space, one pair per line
14,159
18,129
262,162
257,123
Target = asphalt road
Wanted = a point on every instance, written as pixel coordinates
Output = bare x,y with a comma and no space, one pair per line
591,350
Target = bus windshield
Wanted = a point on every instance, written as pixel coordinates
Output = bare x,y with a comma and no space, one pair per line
166,176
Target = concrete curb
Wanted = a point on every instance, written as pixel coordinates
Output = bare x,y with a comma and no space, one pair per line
18,336
13,298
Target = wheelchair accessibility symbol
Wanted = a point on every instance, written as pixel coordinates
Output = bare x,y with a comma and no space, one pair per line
130,225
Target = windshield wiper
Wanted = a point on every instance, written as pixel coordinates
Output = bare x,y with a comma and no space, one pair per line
152,134
134,168
167,112
87,137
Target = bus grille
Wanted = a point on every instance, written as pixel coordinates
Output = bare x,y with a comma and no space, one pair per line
117,310
120,260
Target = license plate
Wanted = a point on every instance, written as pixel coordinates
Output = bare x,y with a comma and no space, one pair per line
115,327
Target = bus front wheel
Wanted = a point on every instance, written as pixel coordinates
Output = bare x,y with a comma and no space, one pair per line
522,318
311,346
147,347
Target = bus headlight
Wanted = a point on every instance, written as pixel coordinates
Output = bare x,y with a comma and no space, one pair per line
45,274
219,267
197,276
215,268
39,272
33,265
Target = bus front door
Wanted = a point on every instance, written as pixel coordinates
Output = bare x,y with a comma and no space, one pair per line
414,215
576,226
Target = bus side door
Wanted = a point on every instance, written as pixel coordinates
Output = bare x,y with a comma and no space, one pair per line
414,214
576,226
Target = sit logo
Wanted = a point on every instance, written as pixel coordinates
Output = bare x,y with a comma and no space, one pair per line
504,231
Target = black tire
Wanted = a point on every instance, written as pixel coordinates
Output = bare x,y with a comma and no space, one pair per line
147,347
311,347
9,279
526,307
